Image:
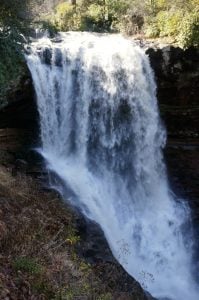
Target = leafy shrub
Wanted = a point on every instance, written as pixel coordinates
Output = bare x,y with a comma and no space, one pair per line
94,19
127,16
151,29
106,16
11,63
46,25
168,22
106,296
13,28
181,24
157,18
66,17
96,12
189,31
70,17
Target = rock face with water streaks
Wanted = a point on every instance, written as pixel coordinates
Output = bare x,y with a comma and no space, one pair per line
177,74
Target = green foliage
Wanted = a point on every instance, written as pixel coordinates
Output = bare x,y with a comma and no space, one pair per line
72,237
48,26
11,63
96,19
165,23
106,296
96,12
12,16
65,17
99,15
152,18
79,18
169,22
179,20
28,265
151,28
189,31
13,27
92,18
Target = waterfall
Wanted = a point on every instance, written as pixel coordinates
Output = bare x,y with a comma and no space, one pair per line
101,134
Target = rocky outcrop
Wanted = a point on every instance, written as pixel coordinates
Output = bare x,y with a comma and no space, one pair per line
19,129
177,75
18,120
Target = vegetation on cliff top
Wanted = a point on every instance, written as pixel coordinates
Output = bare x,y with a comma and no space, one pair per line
178,20
152,18
12,28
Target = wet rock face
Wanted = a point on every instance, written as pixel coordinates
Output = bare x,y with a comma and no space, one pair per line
178,70
19,129
18,122
177,75
19,108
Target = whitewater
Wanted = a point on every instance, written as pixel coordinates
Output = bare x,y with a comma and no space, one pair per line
102,135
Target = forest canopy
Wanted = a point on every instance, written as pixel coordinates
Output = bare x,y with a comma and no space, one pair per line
177,19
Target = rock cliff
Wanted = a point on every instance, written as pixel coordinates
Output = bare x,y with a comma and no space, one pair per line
177,75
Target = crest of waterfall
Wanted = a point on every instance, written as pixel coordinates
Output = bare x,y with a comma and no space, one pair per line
101,134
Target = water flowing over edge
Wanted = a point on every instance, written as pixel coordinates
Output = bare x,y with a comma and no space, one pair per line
101,134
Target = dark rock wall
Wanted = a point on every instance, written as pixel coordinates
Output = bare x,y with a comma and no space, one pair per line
18,122
177,76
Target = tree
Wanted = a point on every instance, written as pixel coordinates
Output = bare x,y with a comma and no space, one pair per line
13,26
12,16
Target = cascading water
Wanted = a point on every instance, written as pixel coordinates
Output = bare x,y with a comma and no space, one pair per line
101,134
